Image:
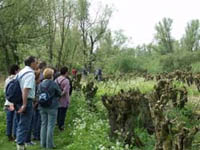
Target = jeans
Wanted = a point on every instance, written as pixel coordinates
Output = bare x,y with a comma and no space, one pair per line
48,118
10,122
24,123
16,121
37,124
28,136
61,116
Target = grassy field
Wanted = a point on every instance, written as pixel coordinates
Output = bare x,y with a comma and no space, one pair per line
86,130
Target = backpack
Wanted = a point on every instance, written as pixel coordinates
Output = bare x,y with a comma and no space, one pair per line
44,100
13,90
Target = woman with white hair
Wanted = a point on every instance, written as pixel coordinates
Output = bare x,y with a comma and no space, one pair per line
48,112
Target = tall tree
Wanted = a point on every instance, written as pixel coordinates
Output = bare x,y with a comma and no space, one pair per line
20,25
163,36
92,28
190,40
50,17
65,14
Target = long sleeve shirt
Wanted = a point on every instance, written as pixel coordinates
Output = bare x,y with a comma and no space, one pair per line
63,82
53,90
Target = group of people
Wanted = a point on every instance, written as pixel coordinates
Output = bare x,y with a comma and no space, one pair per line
30,118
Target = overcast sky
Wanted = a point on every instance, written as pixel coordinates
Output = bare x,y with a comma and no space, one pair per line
138,17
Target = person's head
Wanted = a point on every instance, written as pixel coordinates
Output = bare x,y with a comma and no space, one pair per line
14,69
48,73
64,71
42,65
74,71
31,62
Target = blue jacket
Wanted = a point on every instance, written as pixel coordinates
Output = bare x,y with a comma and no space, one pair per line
53,90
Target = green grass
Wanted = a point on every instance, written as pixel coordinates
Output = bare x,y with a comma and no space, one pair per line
84,130
87,130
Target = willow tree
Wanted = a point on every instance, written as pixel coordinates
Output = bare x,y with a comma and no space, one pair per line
191,38
50,19
163,36
92,25
65,17
20,24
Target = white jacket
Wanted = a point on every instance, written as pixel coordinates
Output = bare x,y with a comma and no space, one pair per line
10,78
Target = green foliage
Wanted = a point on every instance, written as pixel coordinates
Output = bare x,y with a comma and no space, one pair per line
163,36
124,63
195,67
152,64
167,63
88,130
3,68
187,112
186,116
2,99
2,114
149,140
190,41
20,25
179,60
65,32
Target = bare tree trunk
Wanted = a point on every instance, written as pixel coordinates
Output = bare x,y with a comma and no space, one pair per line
51,49
7,57
14,53
73,53
52,21
61,50
51,43
90,58
64,31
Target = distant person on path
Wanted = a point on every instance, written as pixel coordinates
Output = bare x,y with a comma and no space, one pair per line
98,74
49,114
9,107
25,110
64,101
74,73
85,73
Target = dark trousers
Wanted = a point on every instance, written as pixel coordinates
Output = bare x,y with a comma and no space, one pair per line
10,121
61,117
24,124
17,116
37,124
29,134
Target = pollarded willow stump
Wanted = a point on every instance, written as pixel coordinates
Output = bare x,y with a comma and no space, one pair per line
170,134
76,82
89,92
123,111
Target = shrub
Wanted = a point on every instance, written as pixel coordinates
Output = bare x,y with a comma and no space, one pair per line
125,63
195,67
2,98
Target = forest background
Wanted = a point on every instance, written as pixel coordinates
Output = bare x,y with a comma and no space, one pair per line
68,32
